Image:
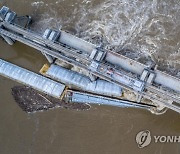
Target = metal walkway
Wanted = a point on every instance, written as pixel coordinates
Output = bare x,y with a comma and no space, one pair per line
31,79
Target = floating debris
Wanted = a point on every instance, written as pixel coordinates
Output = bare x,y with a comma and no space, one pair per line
31,100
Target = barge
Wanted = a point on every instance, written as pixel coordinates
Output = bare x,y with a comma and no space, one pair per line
85,67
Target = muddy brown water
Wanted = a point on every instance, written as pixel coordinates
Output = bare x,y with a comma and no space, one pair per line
147,26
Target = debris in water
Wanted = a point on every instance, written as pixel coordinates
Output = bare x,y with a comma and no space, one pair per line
31,100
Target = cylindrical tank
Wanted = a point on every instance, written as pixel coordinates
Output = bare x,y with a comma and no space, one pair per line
82,82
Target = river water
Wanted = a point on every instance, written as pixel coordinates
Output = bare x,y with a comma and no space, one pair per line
141,30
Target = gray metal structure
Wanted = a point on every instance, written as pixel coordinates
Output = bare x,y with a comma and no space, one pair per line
58,90
150,83
80,97
31,79
76,80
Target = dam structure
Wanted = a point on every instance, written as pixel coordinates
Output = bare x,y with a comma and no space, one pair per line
83,66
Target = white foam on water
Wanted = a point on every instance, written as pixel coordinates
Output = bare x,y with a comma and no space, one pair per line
37,3
146,28
118,21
